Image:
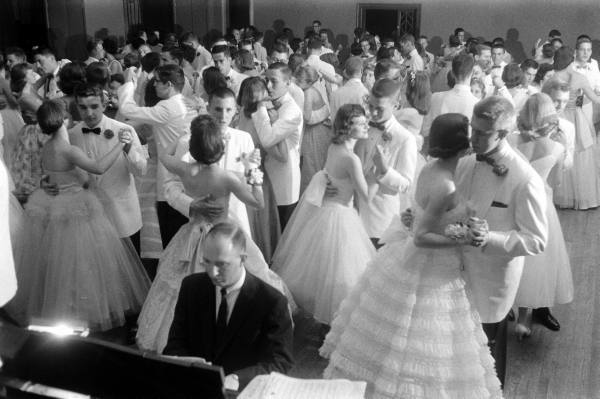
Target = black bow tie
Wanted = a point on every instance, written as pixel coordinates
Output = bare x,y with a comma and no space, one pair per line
498,168
380,126
95,130
485,158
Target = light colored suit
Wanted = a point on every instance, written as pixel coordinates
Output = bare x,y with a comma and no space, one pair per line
402,150
352,92
169,120
239,142
120,197
459,99
285,176
514,206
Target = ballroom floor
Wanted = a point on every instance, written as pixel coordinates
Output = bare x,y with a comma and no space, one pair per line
556,365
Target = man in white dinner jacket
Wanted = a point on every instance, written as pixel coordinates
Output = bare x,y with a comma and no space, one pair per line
96,135
502,188
287,125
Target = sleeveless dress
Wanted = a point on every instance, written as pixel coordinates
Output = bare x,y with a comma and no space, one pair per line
408,328
580,185
324,249
547,279
71,263
181,258
315,142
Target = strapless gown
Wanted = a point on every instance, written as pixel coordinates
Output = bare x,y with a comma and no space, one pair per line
408,328
324,249
71,263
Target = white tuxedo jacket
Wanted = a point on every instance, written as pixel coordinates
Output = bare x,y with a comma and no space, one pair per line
392,187
285,176
459,99
239,142
117,184
514,206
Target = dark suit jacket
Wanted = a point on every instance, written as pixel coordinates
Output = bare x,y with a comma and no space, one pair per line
259,334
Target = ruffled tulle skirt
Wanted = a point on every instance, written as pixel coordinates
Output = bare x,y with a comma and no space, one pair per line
321,256
580,185
408,329
181,258
547,279
72,265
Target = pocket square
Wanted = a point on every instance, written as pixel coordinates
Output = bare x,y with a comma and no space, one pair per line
497,204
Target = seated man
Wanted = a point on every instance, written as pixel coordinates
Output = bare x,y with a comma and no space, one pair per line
229,317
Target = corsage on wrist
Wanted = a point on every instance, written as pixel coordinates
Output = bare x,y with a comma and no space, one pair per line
456,231
254,177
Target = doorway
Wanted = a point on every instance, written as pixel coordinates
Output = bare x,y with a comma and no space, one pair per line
389,20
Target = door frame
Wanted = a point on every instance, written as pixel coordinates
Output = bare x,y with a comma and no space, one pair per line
362,7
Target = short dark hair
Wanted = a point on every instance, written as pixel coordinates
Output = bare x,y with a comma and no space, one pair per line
131,60
150,62
172,74
17,51
343,121
279,48
117,77
554,32
70,76
43,51
87,90
175,52
91,45
188,53
97,73
51,116
316,21
529,63
230,231
206,143
222,48
542,71
384,66
457,31
512,75
385,88
281,67
137,43
556,39
582,39
295,61
18,75
110,45
407,38
498,45
418,91
213,79
222,93
188,37
462,66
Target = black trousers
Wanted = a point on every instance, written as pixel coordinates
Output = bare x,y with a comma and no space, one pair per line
285,213
169,221
496,335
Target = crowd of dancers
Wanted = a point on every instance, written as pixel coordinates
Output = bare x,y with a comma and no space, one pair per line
405,199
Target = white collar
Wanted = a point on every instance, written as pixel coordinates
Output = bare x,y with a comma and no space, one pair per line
238,284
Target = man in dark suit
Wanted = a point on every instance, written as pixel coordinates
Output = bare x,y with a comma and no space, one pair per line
229,317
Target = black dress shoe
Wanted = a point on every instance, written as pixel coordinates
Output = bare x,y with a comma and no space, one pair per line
545,318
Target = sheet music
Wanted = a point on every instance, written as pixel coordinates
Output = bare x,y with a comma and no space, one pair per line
279,386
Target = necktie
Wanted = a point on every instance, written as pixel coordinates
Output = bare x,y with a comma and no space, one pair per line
95,130
221,319
49,80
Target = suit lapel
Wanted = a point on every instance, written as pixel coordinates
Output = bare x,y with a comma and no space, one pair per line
241,309
210,317
484,191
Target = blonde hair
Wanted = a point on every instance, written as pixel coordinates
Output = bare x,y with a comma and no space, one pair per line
538,114
306,73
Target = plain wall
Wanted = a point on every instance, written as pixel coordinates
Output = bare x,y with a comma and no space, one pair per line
104,14
488,18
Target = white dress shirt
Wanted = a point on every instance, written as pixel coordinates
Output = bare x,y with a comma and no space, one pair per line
285,176
414,61
120,198
459,99
352,92
168,120
235,80
239,142
324,68
390,189
231,295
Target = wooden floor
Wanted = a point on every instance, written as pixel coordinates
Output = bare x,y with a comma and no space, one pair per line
557,365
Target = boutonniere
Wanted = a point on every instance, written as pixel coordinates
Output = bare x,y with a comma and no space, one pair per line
500,169
109,134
